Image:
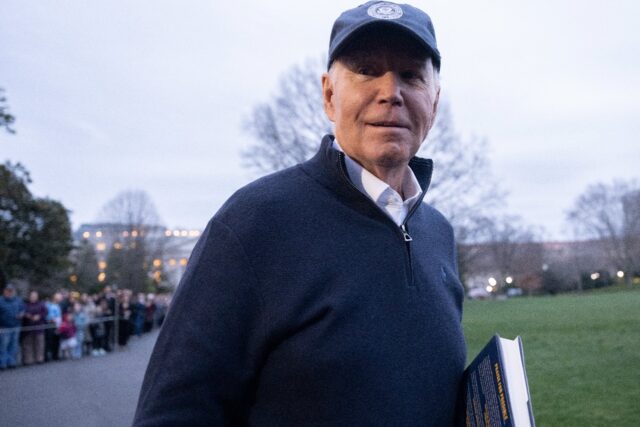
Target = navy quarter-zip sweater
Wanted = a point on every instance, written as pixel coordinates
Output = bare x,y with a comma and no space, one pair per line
303,305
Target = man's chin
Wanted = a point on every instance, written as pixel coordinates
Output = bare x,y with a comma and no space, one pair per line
392,154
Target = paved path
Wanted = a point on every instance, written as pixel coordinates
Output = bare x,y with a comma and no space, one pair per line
93,391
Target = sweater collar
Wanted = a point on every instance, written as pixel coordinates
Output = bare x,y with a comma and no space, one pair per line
378,190
327,167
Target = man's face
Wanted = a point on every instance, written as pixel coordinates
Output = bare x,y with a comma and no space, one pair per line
382,95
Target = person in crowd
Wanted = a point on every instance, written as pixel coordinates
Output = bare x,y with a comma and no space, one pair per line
107,302
34,320
65,301
11,312
81,323
149,312
89,307
99,329
67,332
54,318
138,311
125,326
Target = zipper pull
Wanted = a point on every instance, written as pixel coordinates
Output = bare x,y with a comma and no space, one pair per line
406,236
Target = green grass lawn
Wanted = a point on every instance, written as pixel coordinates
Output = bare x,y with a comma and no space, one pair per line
582,353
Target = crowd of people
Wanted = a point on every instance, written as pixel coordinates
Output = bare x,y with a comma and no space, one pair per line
70,325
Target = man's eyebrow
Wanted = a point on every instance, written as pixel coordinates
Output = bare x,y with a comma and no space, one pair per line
419,63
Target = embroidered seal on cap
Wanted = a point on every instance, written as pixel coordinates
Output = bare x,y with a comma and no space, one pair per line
384,10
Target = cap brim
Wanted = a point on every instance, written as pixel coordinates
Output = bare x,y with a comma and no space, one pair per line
343,43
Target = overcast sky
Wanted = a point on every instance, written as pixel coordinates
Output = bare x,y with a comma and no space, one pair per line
114,95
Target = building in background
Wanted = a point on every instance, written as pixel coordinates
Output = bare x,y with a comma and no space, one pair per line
168,250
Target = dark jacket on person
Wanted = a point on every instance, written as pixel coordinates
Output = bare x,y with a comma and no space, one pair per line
303,305
10,309
32,309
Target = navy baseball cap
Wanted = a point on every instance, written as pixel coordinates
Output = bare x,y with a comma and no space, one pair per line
404,17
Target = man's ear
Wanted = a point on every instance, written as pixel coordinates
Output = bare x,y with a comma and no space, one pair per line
435,103
327,96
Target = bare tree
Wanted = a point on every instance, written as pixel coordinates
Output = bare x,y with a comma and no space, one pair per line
288,128
133,208
463,186
611,214
140,240
514,252
470,253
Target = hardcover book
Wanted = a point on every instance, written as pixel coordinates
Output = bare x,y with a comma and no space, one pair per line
495,390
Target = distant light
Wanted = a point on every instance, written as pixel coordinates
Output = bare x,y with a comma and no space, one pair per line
157,263
101,247
489,288
595,276
134,233
194,233
98,233
509,280
125,234
102,265
117,245
492,281
620,274
184,233
183,262
167,233
172,262
86,234
545,267
176,233
73,278
101,277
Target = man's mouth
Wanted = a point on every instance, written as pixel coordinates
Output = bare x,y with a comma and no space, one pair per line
388,124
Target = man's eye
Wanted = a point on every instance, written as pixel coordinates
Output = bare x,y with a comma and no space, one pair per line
365,71
411,75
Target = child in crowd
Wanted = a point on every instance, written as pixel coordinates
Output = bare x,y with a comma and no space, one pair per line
67,331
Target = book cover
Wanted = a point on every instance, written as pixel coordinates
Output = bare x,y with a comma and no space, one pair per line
495,390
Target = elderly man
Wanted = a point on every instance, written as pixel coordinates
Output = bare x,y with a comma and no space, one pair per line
327,294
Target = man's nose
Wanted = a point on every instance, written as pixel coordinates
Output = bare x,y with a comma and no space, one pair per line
390,88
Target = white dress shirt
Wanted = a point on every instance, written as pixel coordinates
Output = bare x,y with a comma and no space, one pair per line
380,192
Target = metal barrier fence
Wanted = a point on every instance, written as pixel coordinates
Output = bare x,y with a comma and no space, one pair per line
52,325
110,338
